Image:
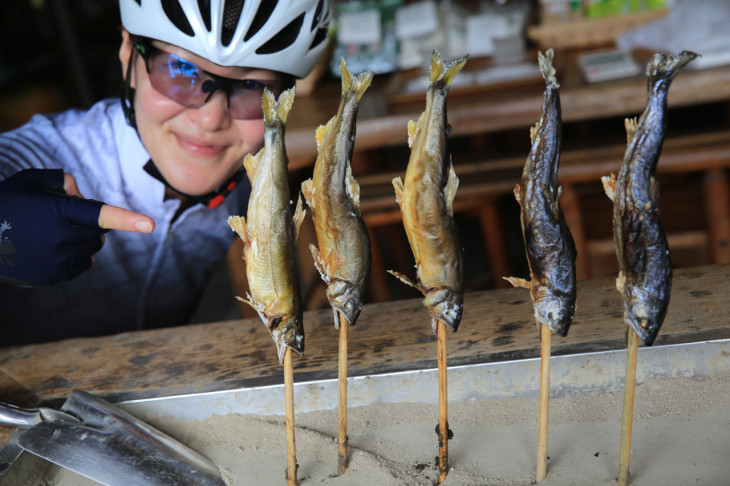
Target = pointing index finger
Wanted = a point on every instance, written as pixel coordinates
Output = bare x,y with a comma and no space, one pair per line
113,217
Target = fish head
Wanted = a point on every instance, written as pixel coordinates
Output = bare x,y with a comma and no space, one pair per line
555,310
288,332
445,305
345,298
644,312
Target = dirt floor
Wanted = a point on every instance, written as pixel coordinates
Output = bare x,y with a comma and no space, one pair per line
681,436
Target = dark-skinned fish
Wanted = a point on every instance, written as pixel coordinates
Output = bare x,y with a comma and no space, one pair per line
269,232
426,199
645,269
549,245
333,195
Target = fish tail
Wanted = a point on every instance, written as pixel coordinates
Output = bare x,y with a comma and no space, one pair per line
277,109
664,66
357,84
547,69
286,100
440,72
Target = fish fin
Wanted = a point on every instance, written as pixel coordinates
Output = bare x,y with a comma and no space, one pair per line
353,189
398,186
519,282
517,191
284,104
609,185
534,132
630,124
299,214
308,192
442,72
323,131
238,224
407,281
251,164
413,128
357,84
452,184
546,67
319,263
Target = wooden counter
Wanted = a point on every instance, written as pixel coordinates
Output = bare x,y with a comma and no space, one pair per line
497,325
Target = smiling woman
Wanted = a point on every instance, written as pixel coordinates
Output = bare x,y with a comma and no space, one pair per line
169,151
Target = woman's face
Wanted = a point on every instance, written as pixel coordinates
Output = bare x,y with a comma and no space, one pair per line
196,150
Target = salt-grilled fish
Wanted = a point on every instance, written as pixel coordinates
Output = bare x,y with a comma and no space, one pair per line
426,201
645,269
333,195
549,245
269,232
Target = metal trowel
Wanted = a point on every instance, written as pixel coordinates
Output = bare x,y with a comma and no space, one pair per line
96,439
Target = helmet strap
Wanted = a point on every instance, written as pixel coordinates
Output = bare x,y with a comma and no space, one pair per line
212,200
128,94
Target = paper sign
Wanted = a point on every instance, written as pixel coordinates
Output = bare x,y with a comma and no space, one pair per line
416,19
359,27
481,29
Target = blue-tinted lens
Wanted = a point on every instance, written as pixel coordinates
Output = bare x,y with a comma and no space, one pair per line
191,86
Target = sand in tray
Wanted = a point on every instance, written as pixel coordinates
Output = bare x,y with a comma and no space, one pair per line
680,437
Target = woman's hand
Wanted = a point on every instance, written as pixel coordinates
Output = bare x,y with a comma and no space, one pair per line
49,232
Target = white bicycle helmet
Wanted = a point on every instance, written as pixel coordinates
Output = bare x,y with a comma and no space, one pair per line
279,35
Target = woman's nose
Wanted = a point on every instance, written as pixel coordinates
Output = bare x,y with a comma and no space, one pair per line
213,115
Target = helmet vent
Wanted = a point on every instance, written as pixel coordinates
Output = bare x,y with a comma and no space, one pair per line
284,38
231,17
317,15
262,16
175,13
204,7
318,38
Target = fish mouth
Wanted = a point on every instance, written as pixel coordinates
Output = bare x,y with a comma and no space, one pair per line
346,299
287,332
556,314
445,305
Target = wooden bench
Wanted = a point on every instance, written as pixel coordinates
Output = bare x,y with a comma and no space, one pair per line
483,183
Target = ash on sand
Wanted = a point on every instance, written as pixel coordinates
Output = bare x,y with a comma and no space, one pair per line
680,437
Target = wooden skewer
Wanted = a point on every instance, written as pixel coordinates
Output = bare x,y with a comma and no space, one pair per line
342,396
291,450
628,414
443,427
542,426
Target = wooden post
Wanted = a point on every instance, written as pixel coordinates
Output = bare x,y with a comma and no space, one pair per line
443,426
542,425
627,418
291,450
342,396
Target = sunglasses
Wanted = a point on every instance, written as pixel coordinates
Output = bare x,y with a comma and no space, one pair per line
187,84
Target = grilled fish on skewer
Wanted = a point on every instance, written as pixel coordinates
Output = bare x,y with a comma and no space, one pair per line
333,195
548,243
645,270
269,232
426,201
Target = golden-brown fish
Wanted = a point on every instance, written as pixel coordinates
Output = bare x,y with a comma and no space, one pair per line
645,270
548,243
426,200
269,232
333,195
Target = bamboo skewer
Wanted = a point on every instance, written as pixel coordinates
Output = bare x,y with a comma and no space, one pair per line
342,397
542,426
628,413
291,451
443,426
